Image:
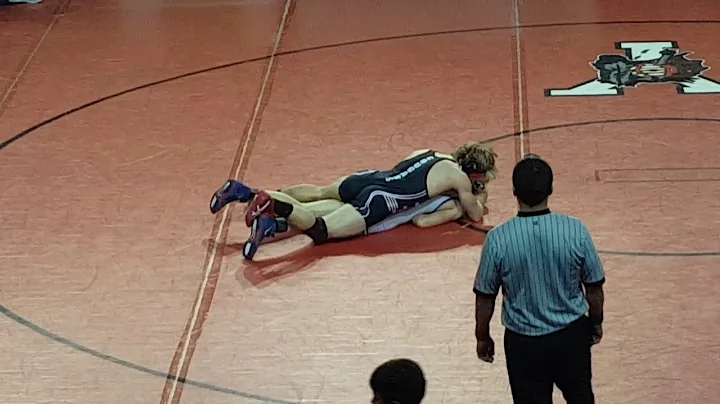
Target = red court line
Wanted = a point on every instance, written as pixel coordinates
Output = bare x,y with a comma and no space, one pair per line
172,391
520,106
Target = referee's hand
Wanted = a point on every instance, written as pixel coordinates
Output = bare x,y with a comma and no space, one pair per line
486,350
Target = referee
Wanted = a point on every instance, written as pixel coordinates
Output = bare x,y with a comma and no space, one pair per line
542,261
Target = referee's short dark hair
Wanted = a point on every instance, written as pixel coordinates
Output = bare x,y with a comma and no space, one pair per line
532,180
398,381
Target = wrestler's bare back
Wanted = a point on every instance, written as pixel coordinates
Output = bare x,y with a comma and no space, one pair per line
446,177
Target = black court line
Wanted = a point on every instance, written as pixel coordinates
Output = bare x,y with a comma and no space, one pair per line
21,320
48,121
142,369
529,132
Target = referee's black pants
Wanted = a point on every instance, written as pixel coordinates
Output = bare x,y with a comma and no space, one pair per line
563,358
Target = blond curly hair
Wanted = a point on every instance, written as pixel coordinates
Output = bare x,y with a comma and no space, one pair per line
482,154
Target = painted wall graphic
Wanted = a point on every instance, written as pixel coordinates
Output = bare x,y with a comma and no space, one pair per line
643,63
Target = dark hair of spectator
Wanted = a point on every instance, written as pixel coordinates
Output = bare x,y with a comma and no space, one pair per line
398,381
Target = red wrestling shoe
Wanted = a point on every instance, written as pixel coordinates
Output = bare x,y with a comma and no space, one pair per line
262,203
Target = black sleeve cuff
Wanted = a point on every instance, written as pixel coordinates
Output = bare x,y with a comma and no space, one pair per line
483,294
595,284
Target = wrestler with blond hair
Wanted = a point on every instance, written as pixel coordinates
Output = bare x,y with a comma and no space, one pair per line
434,186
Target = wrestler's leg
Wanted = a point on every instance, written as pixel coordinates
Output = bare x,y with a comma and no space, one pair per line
343,222
449,211
266,209
296,213
270,213
312,193
323,207
318,208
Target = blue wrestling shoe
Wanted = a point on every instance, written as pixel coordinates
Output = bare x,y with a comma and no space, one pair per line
232,191
262,227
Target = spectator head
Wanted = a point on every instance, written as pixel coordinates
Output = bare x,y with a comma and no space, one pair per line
532,181
398,381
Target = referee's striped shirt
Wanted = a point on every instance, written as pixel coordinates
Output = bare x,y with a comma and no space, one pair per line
539,259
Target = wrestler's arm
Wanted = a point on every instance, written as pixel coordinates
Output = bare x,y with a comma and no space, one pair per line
471,203
482,197
449,211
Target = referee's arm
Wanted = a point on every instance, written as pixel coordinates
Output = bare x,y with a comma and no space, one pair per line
593,278
487,287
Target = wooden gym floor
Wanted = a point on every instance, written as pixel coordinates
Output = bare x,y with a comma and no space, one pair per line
118,119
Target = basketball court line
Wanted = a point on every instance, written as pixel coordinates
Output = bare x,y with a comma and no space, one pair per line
666,174
181,380
520,95
7,142
130,365
214,258
20,73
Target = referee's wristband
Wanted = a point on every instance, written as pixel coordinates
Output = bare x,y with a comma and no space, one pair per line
596,320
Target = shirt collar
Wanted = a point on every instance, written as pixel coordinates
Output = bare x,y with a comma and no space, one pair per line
535,213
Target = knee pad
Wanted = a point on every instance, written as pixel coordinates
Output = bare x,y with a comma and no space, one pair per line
318,232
